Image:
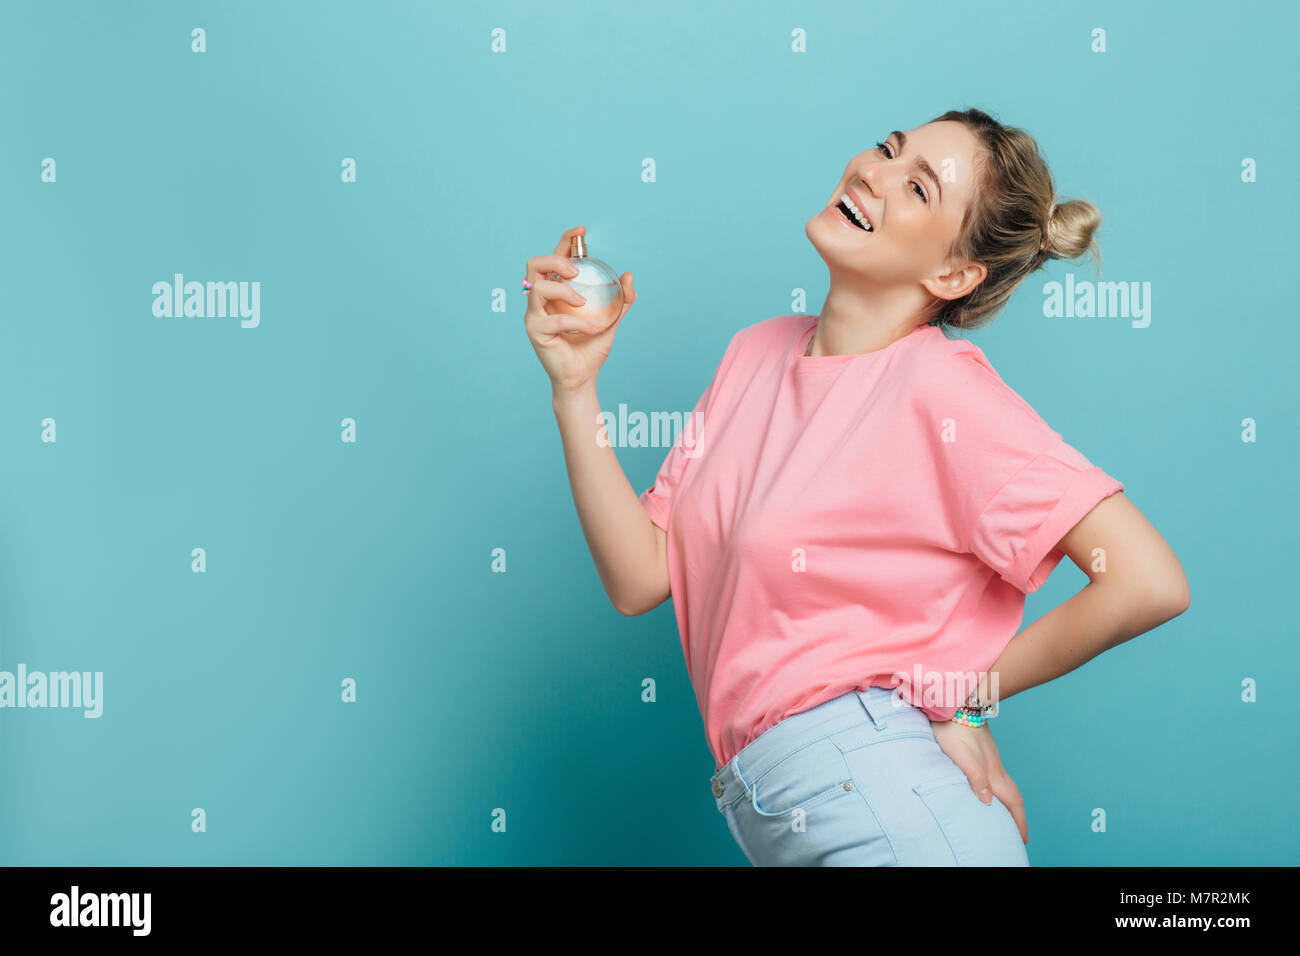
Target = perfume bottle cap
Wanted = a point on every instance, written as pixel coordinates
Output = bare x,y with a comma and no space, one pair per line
577,248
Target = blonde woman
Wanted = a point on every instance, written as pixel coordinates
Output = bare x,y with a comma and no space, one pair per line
851,520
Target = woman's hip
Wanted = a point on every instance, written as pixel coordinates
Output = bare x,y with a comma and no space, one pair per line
860,781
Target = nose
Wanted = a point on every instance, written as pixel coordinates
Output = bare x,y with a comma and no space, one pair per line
878,173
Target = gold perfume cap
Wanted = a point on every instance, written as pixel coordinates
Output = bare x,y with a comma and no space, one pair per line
577,248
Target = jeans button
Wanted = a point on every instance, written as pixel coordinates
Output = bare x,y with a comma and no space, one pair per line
717,788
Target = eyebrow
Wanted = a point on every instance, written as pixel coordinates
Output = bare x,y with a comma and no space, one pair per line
921,164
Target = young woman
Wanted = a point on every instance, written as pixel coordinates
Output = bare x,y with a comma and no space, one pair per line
852,518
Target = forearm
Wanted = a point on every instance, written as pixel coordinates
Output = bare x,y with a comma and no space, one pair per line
618,530
1102,615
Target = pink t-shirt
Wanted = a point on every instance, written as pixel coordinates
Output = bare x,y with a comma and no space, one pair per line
841,521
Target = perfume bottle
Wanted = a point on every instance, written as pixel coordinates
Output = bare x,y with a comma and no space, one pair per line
596,281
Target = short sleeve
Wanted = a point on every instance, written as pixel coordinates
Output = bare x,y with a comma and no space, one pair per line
1015,486
1018,531
658,498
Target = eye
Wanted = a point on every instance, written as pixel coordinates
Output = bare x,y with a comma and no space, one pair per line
916,187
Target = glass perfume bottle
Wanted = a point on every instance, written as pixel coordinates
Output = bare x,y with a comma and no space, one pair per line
596,281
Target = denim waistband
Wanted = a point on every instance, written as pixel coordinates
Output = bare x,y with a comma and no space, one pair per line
871,709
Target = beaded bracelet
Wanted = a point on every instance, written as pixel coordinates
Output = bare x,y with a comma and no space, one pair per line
969,717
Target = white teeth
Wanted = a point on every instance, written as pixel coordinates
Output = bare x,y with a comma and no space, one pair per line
857,213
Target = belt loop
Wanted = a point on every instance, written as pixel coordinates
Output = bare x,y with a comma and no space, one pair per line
875,710
729,783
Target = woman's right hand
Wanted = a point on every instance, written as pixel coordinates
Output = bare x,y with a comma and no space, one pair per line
973,750
571,349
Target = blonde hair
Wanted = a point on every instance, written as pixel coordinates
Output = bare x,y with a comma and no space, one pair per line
1013,224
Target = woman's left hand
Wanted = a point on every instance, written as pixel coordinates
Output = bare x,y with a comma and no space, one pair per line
973,750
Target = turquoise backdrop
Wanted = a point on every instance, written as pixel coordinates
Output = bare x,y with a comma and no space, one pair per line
479,133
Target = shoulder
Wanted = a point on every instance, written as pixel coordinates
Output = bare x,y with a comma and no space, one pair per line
952,356
956,374
784,328
768,335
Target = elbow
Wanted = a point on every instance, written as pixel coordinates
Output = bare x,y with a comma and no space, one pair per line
637,607
627,609
1176,598
1164,588
1184,600
1154,600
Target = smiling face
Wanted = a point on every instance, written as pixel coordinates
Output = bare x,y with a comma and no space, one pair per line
913,189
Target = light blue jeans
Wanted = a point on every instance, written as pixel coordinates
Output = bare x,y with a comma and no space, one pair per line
857,781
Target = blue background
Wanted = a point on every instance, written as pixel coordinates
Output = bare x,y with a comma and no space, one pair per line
373,560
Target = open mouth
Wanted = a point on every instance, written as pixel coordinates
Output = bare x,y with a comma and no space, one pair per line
850,215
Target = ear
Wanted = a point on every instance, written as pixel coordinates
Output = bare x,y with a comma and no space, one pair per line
955,284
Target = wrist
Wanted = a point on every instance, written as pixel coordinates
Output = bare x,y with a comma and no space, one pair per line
566,398
983,698
969,717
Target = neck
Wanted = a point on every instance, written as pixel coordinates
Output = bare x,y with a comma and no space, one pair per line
853,321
